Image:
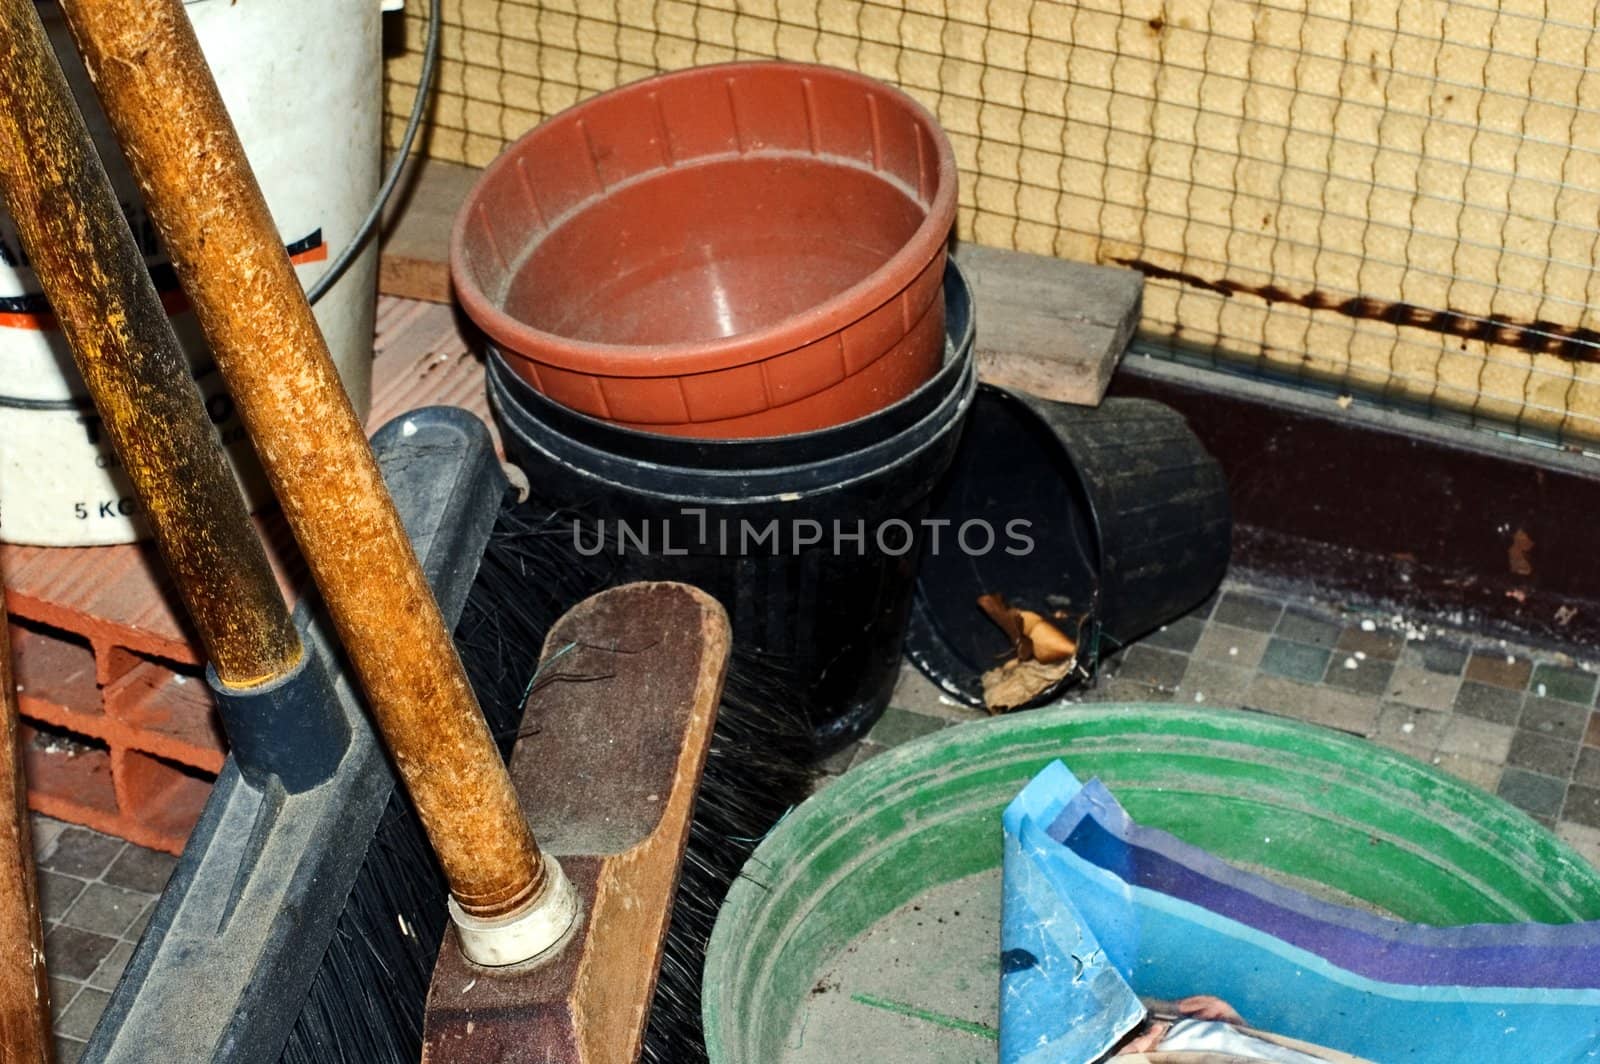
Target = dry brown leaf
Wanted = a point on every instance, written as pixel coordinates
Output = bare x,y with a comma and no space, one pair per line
1016,683
1050,644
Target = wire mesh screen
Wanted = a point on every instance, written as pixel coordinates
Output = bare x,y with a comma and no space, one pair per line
1400,197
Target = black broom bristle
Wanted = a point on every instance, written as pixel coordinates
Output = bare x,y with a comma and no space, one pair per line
756,771
366,1003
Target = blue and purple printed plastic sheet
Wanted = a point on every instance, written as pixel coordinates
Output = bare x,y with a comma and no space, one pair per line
1099,911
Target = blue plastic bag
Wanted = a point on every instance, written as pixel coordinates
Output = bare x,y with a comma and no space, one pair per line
1082,923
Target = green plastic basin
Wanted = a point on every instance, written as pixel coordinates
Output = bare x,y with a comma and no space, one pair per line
866,926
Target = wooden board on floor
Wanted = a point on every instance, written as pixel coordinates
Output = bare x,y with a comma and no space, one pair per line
416,230
1049,326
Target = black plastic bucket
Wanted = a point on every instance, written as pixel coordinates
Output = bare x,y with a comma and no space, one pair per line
810,541
1125,520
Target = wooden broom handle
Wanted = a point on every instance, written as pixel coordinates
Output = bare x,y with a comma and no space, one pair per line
79,243
163,103
24,990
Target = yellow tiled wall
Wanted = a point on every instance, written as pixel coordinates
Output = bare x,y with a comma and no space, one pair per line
1400,196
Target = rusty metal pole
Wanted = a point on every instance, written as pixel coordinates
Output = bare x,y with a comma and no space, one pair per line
163,103
79,243
24,990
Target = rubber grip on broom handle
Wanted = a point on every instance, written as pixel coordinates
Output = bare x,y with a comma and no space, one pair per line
164,106
24,990
79,243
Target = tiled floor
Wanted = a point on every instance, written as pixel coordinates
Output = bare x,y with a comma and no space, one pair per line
95,893
1516,720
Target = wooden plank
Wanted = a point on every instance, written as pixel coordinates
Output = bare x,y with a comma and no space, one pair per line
1049,326
416,236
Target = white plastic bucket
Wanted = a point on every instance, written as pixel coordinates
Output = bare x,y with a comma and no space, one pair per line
303,83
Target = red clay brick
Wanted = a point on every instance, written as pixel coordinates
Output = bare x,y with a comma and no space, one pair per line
101,644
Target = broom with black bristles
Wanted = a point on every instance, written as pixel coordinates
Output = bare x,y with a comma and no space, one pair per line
365,1012
758,766
366,1004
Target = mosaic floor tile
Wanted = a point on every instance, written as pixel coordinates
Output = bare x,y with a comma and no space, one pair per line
1499,669
1315,629
106,910
1532,792
1423,728
1230,645
62,991
1436,656
1541,753
1559,720
45,831
1295,661
72,953
1484,702
1378,644
1214,683
105,977
1484,775
1314,704
57,893
84,1012
1587,771
1363,676
1150,666
82,853
1419,687
1181,635
1567,684
1244,610
139,869
1471,737
897,726
1581,837
1583,805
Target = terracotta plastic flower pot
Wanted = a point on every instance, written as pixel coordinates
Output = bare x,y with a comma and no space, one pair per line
743,250
825,610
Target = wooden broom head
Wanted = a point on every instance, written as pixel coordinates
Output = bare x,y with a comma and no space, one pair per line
607,768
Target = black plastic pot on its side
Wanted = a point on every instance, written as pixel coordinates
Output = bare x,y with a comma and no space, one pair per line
1116,513
826,593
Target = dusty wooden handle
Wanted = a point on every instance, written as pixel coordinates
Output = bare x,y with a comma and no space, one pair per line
24,990
164,105
79,243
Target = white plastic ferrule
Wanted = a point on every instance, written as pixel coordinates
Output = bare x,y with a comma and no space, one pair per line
526,934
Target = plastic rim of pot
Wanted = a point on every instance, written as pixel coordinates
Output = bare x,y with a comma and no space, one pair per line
693,464
740,250
1368,824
